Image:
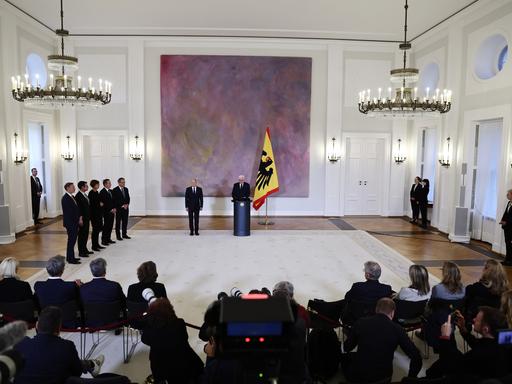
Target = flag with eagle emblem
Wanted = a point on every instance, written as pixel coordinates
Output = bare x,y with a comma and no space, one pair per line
266,179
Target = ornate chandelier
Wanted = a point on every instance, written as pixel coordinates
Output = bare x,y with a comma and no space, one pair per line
61,89
404,101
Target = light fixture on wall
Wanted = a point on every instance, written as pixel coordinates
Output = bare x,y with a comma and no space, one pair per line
445,158
67,153
136,151
20,155
333,156
404,101
399,156
61,90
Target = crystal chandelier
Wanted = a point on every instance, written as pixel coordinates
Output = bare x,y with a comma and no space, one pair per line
404,101
61,89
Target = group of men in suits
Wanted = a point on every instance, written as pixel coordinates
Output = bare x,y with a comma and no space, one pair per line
99,209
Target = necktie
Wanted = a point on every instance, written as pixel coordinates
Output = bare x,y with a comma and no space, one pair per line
122,191
240,185
508,207
194,189
110,193
86,197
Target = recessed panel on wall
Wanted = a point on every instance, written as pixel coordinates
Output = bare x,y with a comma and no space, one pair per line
214,112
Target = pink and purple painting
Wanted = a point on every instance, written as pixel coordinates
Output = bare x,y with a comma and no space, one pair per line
215,110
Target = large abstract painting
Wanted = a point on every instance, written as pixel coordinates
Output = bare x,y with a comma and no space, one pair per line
214,113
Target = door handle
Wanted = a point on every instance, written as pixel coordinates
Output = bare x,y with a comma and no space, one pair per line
365,182
359,182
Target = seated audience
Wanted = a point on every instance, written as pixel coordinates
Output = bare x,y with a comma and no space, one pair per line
56,291
147,275
488,290
486,359
371,289
99,289
450,287
376,338
419,290
506,306
286,289
170,355
12,289
49,358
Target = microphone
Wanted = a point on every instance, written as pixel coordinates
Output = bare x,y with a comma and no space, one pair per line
11,334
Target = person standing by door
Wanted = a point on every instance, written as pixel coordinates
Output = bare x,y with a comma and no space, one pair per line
193,204
37,190
109,212
415,195
121,197
423,202
506,224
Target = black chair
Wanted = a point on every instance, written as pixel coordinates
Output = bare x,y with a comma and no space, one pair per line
100,317
436,315
21,310
410,315
325,314
99,380
354,310
136,311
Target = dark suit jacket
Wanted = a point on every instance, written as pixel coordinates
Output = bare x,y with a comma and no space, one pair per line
56,292
101,290
70,212
194,201
107,200
118,197
416,193
423,195
49,359
508,218
13,290
83,205
369,290
241,193
377,338
34,188
95,208
135,291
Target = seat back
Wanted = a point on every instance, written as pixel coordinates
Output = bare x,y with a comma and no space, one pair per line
354,310
135,312
102,314
21,310
408,310
325,314
71,317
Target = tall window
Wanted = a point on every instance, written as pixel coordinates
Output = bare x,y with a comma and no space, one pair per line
428,158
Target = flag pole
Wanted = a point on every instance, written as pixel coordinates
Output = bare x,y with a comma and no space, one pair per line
266,221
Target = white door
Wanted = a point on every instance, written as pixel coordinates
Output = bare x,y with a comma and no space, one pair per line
364,173
103,158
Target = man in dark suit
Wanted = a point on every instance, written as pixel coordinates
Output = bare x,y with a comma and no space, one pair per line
37,190
241,190
109,212
83,204
72,221
121,197
506,224
377,337
49,358
415,197
99,289
56,291
96,209
193,204
371,289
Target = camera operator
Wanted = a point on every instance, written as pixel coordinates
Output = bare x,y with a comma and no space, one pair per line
486,359
11,361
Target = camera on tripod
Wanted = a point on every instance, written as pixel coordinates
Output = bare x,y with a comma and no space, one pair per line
11,360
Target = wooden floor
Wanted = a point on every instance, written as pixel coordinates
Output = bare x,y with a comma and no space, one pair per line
429,247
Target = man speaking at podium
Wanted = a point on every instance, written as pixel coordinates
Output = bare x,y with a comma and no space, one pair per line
241,190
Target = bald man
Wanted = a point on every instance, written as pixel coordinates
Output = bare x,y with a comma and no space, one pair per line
241,190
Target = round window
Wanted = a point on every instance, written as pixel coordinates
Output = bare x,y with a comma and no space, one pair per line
36,70
490,57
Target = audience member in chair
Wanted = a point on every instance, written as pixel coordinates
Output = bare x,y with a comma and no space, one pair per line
56,291
488,290
371,289
506,306
419,290
450,287
170,355
48,357
12,289
147,275
99,289
376,338
486,359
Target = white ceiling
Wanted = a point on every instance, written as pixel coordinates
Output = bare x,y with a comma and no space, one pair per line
347,19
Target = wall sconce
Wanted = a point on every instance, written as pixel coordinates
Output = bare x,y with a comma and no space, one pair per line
399,157
20,155
136,152
333,157
445,159
68,154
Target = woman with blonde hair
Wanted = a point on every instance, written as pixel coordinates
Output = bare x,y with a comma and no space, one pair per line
419,289
506,306
12,289
450,287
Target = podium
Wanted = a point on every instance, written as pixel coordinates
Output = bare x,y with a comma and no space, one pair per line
242,217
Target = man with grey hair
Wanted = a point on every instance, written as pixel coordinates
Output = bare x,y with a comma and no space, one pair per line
56,291
99,289
370,290
241,190
286,289
506,224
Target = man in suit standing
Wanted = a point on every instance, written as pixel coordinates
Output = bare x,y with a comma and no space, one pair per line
193,204
241,190
85,211
109,212
37,190
506,224
72,221
96,209
121,197
415,197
